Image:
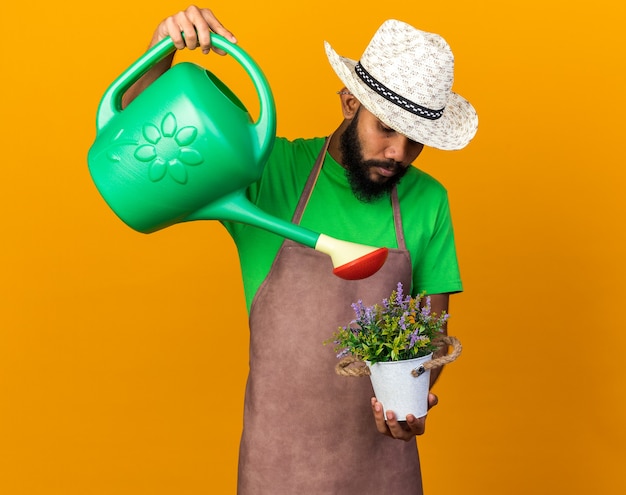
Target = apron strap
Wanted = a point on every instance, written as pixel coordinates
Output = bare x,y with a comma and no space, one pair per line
397,218
310,184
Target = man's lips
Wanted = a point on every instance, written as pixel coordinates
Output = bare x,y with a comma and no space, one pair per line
387,171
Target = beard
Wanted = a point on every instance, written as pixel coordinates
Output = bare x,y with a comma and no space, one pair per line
358,169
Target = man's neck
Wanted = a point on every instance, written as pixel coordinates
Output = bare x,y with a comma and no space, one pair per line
333,147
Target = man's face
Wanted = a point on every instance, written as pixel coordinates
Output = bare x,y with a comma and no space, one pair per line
375,156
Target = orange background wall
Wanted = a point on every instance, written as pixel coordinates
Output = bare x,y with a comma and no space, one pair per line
123,356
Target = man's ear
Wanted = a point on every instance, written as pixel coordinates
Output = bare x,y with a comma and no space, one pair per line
349,104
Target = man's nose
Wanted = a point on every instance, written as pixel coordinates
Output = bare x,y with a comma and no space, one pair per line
398,149
403,150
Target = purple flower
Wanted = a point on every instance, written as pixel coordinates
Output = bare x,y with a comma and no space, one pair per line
402,322
358,308
425,310
399,294
415,338
343,353
369,316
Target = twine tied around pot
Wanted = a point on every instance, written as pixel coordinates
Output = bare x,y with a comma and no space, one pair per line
345,368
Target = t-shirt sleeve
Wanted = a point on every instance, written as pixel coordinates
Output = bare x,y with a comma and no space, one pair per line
437,270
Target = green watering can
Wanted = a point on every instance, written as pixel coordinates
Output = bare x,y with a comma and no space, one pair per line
186,149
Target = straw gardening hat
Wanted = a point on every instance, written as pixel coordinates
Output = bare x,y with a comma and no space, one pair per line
405,79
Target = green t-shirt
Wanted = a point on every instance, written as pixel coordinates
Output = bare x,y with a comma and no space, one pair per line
333,210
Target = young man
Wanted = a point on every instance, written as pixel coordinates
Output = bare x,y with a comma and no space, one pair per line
307,430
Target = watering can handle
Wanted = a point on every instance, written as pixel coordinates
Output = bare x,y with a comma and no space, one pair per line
265,126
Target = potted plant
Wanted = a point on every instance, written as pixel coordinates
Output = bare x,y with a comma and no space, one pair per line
393,342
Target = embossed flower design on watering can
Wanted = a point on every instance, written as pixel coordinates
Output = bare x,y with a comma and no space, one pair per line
168,149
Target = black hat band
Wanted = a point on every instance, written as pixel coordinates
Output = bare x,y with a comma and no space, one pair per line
395,98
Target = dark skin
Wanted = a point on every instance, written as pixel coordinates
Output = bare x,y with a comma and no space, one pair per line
378,142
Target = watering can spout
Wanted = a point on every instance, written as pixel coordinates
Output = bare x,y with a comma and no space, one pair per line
351,261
